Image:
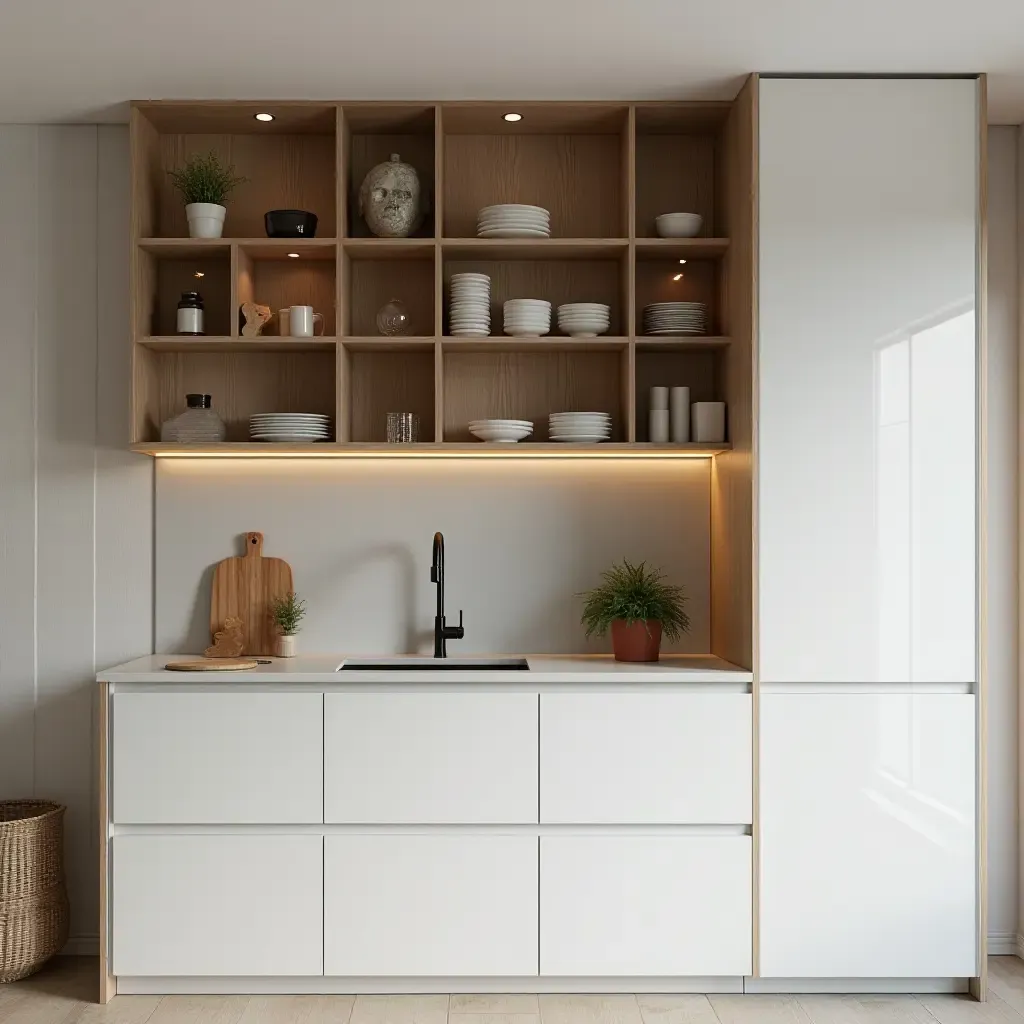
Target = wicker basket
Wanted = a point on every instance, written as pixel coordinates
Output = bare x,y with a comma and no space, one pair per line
33,898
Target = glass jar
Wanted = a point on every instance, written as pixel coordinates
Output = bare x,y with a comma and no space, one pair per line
198,424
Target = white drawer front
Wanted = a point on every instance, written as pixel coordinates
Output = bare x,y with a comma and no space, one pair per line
431,758
645,905
218,758
217,905
430,905
646,758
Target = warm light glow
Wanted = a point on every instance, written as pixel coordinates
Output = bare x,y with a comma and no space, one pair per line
264,451
294,255
682,261
512,116
678,277
200,273
263,117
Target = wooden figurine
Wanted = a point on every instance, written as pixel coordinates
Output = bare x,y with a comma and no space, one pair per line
252,318
229,641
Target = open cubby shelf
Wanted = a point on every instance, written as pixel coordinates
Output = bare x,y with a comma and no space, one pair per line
604,170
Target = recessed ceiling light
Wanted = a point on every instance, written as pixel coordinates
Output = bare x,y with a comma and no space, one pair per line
682,261
200,273
294,255
264,117
678,277
512,116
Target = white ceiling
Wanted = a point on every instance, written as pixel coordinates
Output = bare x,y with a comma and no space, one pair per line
81,60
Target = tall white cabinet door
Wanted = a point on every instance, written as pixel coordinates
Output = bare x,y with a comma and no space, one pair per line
430,905
237,905
867,815
868,193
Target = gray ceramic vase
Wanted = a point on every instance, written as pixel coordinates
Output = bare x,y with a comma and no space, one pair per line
390,199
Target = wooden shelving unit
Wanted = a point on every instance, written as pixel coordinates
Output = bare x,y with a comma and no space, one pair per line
604,170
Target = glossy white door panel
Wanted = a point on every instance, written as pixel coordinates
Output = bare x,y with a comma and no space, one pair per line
627,906
431,758
217,905
217,758
867,813
430,905
645,758
867,221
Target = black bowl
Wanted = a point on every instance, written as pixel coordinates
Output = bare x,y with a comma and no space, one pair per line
290,224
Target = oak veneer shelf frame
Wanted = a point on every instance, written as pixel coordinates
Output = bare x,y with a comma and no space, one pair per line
604,170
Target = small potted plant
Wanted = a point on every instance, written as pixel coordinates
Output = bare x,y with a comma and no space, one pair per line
204,184
639,607
288,612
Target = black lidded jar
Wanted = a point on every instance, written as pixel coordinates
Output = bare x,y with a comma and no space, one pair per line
190,313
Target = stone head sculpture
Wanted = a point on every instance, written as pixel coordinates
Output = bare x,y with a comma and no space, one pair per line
390,199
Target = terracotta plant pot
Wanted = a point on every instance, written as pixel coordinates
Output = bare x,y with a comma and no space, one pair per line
640,641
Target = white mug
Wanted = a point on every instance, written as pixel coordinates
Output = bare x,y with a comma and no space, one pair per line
302,321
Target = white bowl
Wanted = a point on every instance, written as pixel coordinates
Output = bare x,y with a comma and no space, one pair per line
504,433
513,233
678,225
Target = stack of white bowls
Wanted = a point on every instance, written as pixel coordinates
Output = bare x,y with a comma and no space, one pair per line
513,220
583,319
527,317
501,431
676,318
579,427
469,315
283,427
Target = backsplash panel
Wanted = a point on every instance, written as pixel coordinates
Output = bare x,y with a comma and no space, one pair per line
521,540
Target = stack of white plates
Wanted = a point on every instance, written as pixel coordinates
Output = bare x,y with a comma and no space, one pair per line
289,426
513,220
524,317
504,431
469,315
579,427
676,318
583,319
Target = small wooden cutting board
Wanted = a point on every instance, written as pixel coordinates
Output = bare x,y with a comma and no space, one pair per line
211,665
245,587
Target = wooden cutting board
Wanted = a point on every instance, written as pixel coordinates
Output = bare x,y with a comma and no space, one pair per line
245,587
211,665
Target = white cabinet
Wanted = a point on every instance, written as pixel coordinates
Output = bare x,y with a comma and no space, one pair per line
645,905
868,192
431,758
867,807
430,905
645,758
217,758
217,905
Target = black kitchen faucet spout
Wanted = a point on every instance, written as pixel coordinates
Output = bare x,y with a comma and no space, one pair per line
442,633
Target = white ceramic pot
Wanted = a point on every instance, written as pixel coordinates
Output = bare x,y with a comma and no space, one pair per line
205,220
285,646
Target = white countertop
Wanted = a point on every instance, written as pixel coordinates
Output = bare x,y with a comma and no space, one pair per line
322,668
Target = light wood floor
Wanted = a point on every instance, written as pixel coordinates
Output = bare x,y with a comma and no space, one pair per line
63,993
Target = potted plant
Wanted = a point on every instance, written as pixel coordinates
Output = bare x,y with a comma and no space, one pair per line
639,607
288,612
204,185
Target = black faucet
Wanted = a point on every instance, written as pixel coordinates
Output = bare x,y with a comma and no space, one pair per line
442,633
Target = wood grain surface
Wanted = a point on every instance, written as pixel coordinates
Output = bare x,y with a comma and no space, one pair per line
245,587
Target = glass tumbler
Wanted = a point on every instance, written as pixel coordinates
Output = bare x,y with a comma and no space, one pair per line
403,428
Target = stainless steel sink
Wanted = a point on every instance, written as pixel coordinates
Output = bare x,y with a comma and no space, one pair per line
436,665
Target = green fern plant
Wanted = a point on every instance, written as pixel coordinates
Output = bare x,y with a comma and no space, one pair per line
635,593
288,612
204,180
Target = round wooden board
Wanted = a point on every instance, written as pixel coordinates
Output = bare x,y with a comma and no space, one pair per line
212,665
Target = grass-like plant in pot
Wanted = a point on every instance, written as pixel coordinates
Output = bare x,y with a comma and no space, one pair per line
288,611
204,184
638,606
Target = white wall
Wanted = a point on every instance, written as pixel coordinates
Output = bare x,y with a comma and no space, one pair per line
75,507
1001,527
522,538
